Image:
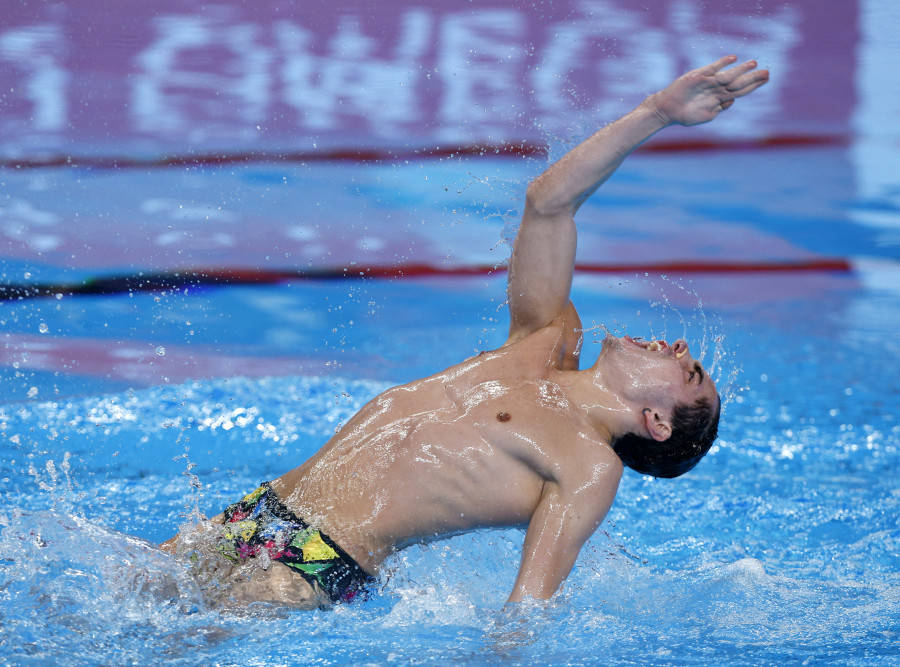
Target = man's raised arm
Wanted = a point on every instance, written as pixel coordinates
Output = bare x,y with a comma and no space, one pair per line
543,259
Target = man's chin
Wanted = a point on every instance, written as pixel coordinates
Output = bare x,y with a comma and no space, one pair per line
610,341
610,345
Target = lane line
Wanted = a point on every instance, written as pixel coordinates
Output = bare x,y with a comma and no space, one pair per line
187,278
513,148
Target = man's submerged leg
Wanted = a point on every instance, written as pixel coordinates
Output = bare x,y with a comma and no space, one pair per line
277,584
258,551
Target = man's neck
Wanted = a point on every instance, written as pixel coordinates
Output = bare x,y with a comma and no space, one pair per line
604,410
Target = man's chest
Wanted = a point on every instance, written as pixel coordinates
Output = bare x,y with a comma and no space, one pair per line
531,421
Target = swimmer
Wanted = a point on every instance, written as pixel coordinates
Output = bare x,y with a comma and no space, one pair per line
518,436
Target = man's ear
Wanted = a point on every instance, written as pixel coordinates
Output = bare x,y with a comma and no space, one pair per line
658,426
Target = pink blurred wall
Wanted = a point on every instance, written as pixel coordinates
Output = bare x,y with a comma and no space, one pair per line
169,76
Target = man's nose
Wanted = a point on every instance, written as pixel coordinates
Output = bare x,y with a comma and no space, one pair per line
680,348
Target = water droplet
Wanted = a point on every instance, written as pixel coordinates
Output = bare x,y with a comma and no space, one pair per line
161,351
43,328
32,392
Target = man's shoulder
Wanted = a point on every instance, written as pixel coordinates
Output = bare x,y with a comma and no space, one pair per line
568,319
591,469
568,445
558,342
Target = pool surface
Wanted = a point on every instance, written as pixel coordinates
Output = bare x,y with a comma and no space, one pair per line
241,311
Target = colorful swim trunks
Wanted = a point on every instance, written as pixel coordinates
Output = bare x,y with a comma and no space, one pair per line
260,523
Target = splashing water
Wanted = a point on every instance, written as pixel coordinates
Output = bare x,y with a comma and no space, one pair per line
745,576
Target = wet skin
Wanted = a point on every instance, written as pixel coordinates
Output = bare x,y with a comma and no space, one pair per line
517,436
499,440
482,443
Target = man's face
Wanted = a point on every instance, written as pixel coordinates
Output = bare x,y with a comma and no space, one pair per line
654,374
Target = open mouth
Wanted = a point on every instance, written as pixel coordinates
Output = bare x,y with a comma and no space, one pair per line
651,345
657,346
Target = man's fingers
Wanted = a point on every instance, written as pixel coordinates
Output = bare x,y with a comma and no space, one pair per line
720,63
724,104
728,77
747,83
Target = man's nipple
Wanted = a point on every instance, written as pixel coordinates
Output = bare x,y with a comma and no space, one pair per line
503,416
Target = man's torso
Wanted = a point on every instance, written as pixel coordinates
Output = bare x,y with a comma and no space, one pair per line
470,447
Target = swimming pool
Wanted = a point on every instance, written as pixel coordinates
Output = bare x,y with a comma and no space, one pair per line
124,413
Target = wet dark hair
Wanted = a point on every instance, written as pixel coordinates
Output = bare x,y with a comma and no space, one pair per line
694,428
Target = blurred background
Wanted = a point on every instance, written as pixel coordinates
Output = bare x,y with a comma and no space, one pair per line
172,147
224,226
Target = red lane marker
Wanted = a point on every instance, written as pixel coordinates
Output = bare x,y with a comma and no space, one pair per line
416,270
195,278
823,264
265,157
389,154
781,141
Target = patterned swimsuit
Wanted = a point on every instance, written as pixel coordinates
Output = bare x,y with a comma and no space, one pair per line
260,523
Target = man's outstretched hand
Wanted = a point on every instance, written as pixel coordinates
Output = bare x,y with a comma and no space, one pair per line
700,95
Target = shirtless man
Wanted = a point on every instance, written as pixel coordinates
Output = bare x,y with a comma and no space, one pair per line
514,437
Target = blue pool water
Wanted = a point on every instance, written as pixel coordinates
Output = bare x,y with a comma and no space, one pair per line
781,547
128,414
